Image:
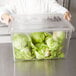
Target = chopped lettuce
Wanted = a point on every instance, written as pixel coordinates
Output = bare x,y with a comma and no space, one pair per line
38,45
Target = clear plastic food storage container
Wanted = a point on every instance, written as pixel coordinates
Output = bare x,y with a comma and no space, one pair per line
38,37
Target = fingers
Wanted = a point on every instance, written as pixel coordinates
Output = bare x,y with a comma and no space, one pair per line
67,16
6,18
10,19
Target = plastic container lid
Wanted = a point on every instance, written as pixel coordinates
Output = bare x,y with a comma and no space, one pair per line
39,23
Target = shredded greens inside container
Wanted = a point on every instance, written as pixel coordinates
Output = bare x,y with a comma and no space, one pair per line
38,45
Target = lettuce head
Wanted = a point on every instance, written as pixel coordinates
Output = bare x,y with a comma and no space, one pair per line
59,36
37,37
20,40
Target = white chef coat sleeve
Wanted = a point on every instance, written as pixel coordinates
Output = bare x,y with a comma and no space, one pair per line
56,7
9,8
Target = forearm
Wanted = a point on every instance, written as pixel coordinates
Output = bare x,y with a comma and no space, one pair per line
6,13
3,10
8,8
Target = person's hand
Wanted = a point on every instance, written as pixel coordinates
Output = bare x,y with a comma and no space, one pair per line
6,18
67,16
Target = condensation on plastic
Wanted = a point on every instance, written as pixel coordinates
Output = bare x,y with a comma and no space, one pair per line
41,23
